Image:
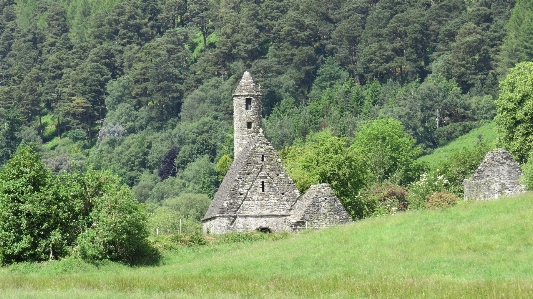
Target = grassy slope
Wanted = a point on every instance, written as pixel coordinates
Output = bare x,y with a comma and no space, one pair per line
474,250
488,133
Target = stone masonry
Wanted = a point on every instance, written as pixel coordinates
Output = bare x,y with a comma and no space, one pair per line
496,176
318,208
257,193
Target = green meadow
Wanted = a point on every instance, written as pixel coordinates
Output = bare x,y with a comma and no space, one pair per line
480,249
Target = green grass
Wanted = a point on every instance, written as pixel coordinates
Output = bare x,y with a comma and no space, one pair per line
474,250
469,140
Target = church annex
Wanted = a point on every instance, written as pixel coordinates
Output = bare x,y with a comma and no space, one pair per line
257,193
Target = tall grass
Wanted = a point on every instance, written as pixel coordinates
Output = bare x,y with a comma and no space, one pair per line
473,250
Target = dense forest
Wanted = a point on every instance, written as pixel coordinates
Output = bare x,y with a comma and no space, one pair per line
143,88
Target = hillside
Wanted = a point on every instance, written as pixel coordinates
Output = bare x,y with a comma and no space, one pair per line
485,133
473,250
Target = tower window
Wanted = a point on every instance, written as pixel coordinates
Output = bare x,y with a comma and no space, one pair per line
262,158
262,186
248,103
249,125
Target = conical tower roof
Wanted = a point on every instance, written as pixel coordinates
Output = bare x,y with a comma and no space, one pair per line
247,86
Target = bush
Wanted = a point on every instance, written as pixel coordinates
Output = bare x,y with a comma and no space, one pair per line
189,240
248,237
441,200
428,183
527,168
384,199
116,224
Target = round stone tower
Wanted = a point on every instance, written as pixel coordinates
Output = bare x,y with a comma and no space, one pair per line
246,112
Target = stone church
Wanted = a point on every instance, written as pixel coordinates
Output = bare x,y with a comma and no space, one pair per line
257,193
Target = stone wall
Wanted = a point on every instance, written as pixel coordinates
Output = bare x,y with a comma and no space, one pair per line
497,175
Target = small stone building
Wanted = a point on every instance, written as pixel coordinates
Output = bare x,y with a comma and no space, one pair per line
497,175
257,193
317,208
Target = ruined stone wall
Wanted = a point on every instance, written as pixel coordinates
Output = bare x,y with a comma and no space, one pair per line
496,176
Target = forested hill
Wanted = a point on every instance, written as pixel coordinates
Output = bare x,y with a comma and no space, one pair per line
143,88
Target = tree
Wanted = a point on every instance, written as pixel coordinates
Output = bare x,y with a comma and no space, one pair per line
389,153
43,216
168,164
11,122
514,111
517,45
36,224
324,158
115,225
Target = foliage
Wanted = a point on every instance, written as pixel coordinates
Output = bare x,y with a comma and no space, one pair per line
527,169
9,139
441,200
116,225
223,165
514,111
168,164
192,239
167,221
45,216
485,134
460,165
36,222
429,183
324,158
189,205
384,198
516,45
389,153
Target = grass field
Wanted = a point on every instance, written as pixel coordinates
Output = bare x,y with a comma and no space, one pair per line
474,250
485,133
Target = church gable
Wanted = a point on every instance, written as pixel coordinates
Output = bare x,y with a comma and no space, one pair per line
272,191
256,184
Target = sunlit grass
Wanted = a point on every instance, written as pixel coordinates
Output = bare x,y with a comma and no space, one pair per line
485,133
473,250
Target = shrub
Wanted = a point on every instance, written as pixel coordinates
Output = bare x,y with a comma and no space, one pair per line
441,200
428,184
384,199
189,240
527,168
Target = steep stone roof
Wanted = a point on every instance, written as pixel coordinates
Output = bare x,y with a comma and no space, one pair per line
247,86
498,161
319,207
497,175
257,183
